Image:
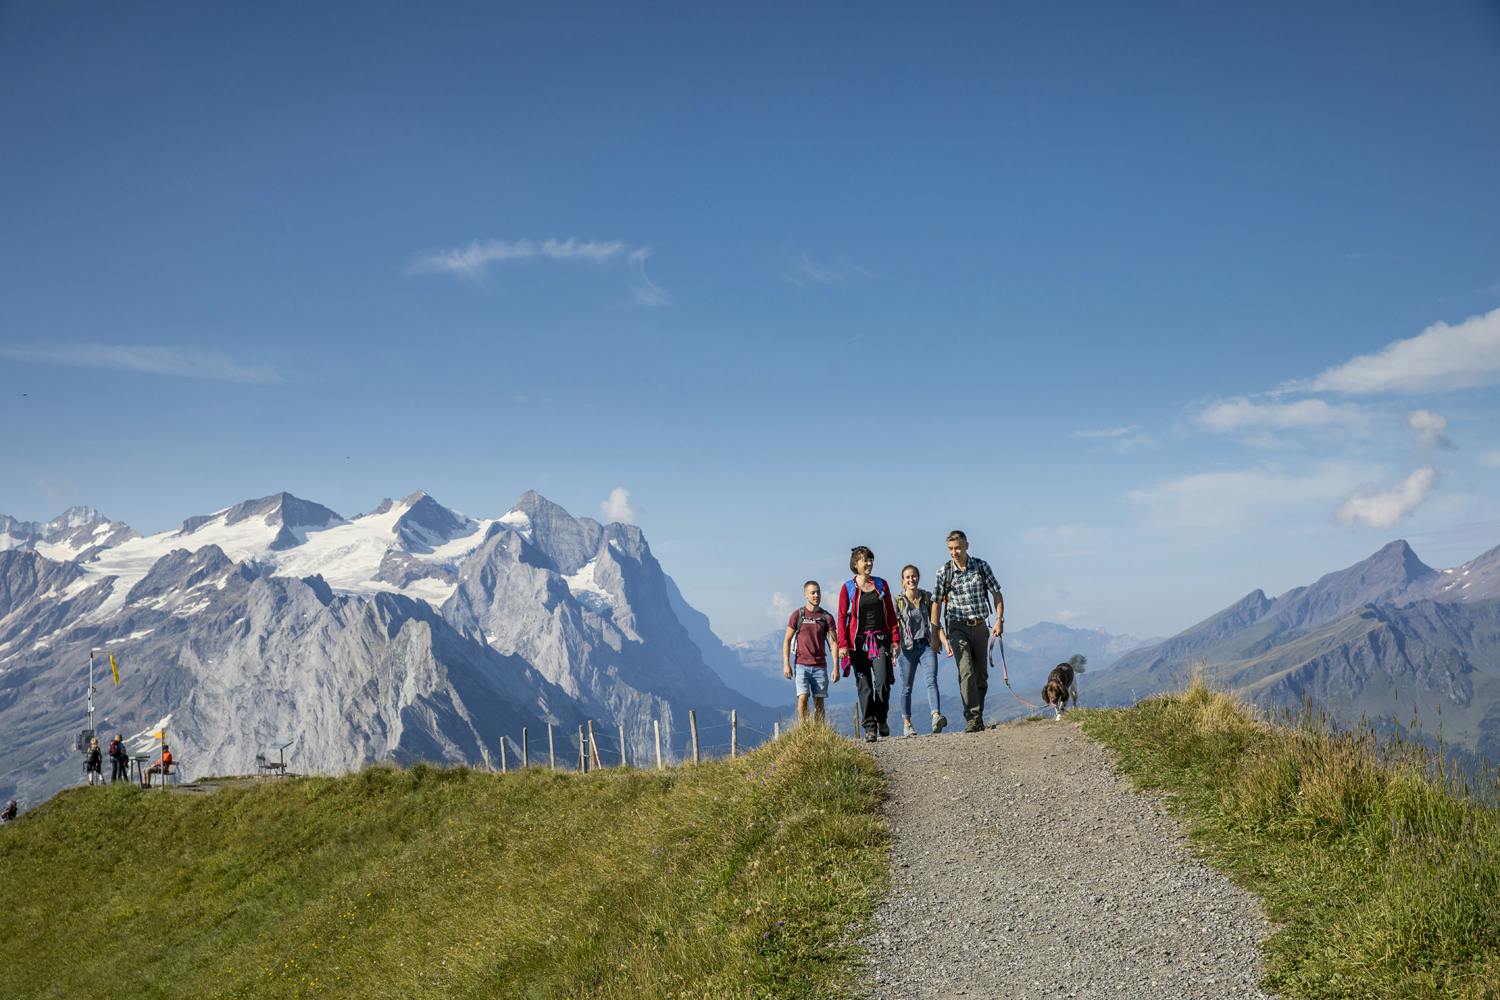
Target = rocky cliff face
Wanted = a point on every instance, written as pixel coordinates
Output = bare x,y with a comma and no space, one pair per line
408,633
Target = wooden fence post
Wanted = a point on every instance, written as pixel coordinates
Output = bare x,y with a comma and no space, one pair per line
775,730
734,733
656,728
551,754
693,725
623,761
854,733
595,761
503,768
583,761
525,748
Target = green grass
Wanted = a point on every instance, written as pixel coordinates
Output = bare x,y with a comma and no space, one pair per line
1382,872
745,878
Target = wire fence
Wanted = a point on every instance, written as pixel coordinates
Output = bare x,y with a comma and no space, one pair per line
595,746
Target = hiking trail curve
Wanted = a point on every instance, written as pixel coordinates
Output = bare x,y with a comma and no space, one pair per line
1024,867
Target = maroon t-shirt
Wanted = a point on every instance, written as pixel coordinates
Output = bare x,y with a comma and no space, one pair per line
811,637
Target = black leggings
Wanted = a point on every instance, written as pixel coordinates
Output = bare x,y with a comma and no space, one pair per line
872,678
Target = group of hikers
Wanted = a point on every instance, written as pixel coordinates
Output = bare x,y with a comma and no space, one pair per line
876,631
93,762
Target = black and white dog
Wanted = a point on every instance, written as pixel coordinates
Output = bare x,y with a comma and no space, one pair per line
1062,685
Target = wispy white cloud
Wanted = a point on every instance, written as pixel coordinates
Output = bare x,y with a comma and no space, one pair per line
1441,357
150,359
1128,438
803,269
617,507
1057,533
1241,414
1109,432
1431,429
1491,459
1376,508
1245,497
474,260
645,292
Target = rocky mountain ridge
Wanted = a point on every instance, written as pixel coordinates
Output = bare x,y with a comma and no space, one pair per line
1388,639
411,632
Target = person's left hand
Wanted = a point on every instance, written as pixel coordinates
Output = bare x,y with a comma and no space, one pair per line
998,629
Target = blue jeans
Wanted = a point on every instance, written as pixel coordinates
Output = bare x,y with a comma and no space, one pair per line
923,653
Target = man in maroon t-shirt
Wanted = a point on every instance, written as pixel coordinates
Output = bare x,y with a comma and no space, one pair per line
812,629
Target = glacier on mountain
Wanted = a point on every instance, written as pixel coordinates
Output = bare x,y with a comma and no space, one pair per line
408,633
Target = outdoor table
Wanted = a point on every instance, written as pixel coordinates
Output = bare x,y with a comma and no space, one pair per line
139,764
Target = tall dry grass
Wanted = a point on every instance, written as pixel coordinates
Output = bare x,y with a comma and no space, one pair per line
1380,863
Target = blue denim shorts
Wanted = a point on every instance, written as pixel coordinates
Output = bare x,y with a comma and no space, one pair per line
811,680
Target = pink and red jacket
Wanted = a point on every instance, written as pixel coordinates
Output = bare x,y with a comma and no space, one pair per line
850,597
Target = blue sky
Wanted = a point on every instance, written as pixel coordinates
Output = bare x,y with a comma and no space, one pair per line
1144,297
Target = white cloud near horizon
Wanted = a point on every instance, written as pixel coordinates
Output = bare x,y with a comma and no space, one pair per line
1431,429
473,261
1491,459
152,360
1373,508
780,607
1243,414
617,506
1464,356
1109,432
1245,497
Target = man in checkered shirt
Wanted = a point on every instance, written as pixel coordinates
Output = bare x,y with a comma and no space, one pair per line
960,616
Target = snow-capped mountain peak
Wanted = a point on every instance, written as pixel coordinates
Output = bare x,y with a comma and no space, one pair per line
76,534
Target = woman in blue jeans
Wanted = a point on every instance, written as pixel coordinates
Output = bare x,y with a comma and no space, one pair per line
915,608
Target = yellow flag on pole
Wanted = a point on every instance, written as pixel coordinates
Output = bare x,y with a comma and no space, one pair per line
114,669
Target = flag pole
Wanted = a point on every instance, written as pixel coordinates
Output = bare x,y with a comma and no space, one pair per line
91,692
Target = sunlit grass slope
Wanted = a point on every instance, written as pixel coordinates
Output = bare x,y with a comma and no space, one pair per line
732,879
1383,874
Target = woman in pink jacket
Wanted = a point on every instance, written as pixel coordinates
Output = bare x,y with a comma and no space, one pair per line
868,630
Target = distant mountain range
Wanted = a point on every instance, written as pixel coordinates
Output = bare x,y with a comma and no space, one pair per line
411,632
1388,639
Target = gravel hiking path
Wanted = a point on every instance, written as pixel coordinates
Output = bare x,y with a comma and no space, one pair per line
1024,867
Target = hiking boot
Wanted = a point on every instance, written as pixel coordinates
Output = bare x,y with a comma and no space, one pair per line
885,730
870,736
907,729
974,726
939,720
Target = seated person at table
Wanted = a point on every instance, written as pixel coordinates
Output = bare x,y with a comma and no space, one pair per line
162,766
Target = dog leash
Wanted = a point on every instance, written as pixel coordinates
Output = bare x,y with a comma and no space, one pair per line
994,639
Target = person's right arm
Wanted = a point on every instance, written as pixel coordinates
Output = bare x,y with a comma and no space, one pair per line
844,639
833,651
786,645
937,629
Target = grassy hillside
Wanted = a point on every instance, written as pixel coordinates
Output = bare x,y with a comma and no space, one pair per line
1383,874
732,879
